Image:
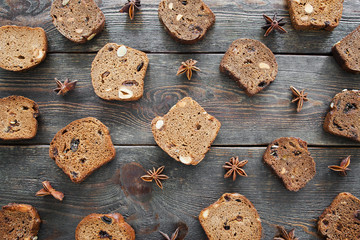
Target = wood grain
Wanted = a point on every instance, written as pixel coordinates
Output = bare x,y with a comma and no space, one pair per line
234,19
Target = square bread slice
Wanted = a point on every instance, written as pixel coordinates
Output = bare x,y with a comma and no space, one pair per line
186,132
81,147
118,72
22,48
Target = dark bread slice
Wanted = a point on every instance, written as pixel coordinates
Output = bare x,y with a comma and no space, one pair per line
78,20
22,48
232,217
104,226
19,221
341,220
291,161
251,64
343,119
187,21
118,72
347,51
18,118
186,132
81,147
315,14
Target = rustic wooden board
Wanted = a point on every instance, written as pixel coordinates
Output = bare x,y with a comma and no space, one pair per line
245,120
189,189
234,19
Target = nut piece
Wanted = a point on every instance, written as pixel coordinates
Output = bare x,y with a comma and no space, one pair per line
38,54
309,8
263,65
182,104
304,18
283,170
159,124
185,160
91,36
331,105
205,213
178,17
171,5
121,51
65,2
125,93
79,30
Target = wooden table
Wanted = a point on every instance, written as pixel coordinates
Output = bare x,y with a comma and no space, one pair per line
248,123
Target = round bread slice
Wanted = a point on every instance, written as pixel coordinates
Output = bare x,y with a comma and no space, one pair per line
78,20
18,118
291,161
19,221
186,132
341,220
232,217
251,64
22,48
104,226
343,119
82,147
118,73
187,21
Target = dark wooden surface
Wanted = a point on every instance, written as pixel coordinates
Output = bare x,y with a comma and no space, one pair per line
248,124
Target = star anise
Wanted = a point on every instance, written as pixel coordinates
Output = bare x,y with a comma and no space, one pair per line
188,66
272,24
234,167
300,97
130,7
156,176
343,166
284,235
173,236
49,190
63,88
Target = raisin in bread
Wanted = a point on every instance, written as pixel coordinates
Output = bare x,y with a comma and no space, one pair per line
291,161
78,20
343,119
18,118
186,131
19,221
251,64
104,226
22,48
118,73
232,217
82,147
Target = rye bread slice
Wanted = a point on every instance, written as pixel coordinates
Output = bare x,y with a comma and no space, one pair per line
347,51
104,226
343,118
341,220
187,21
22,48
118,73
186,132
19,221
78,20
315,14
232,217
251,64
81,147
291,161
18,118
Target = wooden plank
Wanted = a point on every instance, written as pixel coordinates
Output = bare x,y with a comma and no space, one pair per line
245,120
185,194
234,19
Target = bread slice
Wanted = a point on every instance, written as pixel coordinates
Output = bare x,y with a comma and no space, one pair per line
315,14
118,73
347,51
232,217
341,220
186,131
187,21
78,20
343,119
22,48
82,147
19,221
104,226
251,64
18,118
291,161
